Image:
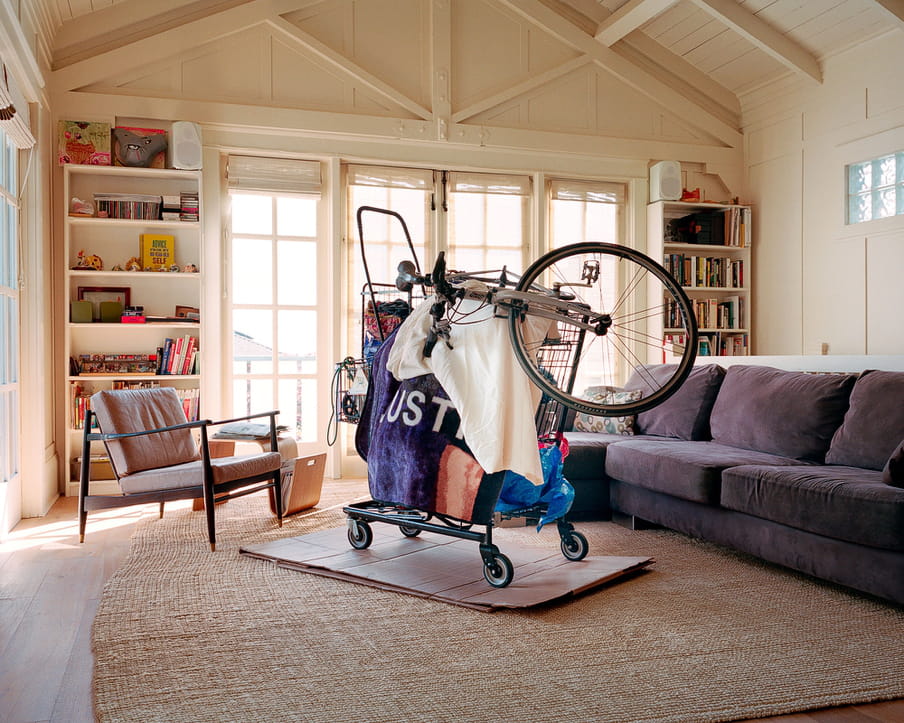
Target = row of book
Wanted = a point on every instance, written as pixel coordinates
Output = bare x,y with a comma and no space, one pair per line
712,344
705,271
179,355
81,400
725,313
106,364
712,227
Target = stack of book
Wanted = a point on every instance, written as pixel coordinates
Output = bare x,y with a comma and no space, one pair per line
189,206
172,208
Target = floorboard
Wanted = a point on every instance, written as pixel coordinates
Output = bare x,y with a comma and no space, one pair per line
50,587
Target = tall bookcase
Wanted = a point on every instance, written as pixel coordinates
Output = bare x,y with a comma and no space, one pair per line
706,247
127,354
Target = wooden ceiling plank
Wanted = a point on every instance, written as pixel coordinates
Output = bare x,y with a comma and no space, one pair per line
894,8
764,36
493,99
661,93
346,66
628,18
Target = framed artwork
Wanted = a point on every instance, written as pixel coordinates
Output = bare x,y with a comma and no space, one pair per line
97,294
84,142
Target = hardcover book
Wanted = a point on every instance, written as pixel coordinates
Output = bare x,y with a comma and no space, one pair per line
158,251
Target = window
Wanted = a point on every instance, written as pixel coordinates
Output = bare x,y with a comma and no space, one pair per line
9,313
275,294
875,189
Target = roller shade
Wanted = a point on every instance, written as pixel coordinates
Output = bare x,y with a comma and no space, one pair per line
273,175
587,191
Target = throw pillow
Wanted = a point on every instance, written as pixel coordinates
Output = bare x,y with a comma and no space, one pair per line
893,474
684,415
608,425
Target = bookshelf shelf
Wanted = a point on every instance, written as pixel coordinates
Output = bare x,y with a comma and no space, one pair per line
715,276
117,242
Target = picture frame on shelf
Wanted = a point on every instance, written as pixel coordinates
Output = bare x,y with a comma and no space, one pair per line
187,312
98,294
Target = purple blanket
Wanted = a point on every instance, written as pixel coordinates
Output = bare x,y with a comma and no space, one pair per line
409,436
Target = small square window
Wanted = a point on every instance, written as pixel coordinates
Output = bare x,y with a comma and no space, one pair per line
875,188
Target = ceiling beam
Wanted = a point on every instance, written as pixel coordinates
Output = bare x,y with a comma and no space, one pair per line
491,100
346,66
895,8
659,92
763,36
628,18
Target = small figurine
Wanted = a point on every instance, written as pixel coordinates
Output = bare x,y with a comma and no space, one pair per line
92,261
190,269
174,268
133,264
117,267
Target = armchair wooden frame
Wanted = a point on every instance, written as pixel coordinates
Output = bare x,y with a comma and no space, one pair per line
210,491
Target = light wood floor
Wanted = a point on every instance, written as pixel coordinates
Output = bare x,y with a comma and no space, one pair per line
50,587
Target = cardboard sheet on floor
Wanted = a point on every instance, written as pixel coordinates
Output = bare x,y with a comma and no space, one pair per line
445,568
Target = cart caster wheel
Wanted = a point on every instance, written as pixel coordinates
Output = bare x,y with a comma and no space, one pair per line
359,534
574,546
499,572
410,531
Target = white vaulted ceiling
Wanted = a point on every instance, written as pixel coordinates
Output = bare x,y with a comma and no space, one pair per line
638,70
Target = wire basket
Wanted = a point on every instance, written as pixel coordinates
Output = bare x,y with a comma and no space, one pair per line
350,389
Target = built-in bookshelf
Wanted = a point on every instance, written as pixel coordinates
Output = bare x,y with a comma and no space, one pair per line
140,327
706,247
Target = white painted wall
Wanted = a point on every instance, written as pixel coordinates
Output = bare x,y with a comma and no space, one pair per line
819,281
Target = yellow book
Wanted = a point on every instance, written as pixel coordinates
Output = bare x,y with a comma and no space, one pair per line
158,251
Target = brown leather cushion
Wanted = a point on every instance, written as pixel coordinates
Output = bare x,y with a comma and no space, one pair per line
136,410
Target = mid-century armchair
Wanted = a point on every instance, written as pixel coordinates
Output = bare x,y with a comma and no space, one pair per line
156,458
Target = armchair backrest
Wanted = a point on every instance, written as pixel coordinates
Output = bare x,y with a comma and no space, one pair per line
137,410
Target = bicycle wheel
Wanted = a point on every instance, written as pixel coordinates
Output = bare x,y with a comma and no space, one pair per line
626,315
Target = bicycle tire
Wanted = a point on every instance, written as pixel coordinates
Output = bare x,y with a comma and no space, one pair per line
632,342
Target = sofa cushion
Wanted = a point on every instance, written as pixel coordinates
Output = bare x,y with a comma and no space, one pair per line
685,469
684,415
893,472
845,503
610,425
791,414
874,423
586,458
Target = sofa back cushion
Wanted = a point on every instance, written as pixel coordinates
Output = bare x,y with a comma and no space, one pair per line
893,472
792,414
874,423
684,415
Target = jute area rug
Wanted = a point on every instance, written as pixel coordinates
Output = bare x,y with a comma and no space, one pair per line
183,634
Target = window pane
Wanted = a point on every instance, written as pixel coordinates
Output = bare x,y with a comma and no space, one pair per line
252,213
296,216
296,268
252,280
860,208
297,342
884,203
298,407
860,177
252,348
250,396
884,171
504,221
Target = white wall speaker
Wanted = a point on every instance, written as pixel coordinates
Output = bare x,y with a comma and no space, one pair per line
665,181
185,146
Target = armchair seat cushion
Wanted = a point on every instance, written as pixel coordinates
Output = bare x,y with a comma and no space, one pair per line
228,469
191,474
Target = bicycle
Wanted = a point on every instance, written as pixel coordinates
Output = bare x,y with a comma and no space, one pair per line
605,305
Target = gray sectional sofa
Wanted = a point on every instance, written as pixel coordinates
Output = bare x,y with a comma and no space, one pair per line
804,470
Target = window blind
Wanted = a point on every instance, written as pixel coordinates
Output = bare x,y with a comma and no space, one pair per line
587,191
505,184
390,177
273,175
14,114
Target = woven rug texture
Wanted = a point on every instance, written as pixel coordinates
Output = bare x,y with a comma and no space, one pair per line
185,634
